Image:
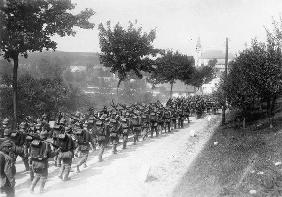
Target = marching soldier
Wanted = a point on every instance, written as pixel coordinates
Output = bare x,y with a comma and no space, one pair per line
153,123
66,153
124,130
8,152
40,152
101,132
83,146
136,126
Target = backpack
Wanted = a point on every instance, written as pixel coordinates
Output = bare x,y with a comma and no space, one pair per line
136,121
9,172
38,150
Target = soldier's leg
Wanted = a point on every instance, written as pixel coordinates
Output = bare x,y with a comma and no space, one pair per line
31,172
25,161
82,160
152,131
10,191
55,160
101,151
43,179
34,182
125,137
59,161
115,142
42,184
157,131
67,164
62,169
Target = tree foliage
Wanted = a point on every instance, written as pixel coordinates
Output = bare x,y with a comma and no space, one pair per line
202,75
28,26
126,49
172,66
254,77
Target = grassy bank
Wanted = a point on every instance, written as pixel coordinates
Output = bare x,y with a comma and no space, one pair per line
242,160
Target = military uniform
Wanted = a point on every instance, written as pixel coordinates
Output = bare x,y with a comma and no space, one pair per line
114,133
8,152
101,132
66,153
40,151
83,146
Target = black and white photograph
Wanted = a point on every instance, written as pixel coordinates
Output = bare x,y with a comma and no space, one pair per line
141,98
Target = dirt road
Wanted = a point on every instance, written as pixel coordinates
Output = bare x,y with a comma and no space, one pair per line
151,168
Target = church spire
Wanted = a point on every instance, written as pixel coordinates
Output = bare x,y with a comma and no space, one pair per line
198,46
198,52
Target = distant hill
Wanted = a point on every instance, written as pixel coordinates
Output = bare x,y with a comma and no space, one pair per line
71,58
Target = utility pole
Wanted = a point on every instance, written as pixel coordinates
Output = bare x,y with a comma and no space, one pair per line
225,78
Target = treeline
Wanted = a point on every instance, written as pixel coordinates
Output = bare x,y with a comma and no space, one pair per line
42,88
254,80
127,52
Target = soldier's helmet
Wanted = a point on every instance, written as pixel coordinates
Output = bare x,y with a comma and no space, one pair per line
7,132
113,121
123,120
5,121
38,126
38,121
22,125
43,135
62,121
85,125
99,123
77,124
68,129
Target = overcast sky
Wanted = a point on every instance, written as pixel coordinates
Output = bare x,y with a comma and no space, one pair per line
179,23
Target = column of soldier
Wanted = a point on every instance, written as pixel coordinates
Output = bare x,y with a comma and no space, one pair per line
73,135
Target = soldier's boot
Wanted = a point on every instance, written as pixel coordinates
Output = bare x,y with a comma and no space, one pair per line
42,185
85,165
34,182
66,175
114,148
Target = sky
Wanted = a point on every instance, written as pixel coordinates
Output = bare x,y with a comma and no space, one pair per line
179,23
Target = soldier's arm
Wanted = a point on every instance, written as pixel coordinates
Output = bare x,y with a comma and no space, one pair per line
51,153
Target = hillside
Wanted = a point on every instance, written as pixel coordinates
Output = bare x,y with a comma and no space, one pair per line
71,58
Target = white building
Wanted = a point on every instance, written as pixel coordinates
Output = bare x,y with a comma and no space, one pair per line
202,57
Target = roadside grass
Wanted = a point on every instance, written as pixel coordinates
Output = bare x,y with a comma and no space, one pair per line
243,160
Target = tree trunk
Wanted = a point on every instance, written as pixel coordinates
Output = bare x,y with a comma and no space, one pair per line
268,112
119,82
15,89
171,86
271,111
244,122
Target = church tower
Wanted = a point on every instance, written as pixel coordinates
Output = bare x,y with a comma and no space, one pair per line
198,52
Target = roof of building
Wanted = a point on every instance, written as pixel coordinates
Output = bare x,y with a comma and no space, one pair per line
215,54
